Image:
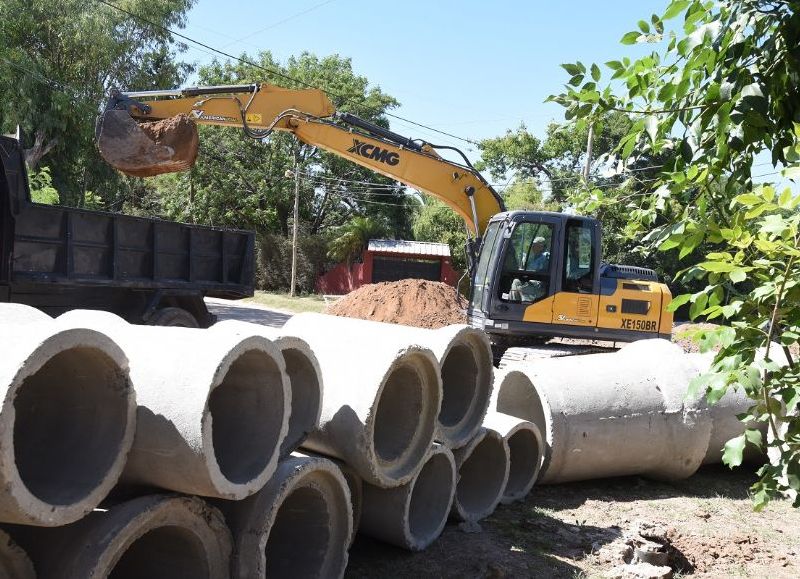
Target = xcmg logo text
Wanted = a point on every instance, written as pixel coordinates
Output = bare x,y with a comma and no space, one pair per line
372,152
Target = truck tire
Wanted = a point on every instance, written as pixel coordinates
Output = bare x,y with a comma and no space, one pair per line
175,317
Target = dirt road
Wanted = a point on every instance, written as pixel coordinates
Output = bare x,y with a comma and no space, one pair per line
247,312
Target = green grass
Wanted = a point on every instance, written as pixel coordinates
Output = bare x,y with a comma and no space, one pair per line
281,301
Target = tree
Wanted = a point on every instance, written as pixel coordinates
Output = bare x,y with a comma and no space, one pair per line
557,162
721,93
439,223
57,64
353,239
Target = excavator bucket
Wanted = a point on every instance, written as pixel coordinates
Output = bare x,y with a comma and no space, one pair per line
147,149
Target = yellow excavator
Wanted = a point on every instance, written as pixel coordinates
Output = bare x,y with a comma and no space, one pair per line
534,275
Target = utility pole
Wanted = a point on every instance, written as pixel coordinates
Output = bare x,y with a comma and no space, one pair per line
296,219
589,142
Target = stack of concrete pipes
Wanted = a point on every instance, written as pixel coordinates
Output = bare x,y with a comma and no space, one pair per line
136,451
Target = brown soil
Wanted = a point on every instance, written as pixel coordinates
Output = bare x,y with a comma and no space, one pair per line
148,149
410,302
575,530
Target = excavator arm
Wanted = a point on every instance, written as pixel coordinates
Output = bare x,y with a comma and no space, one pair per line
148,133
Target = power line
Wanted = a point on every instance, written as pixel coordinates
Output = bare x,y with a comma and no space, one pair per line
273,71
285,20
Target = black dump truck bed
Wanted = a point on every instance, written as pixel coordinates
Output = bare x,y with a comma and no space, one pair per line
61,258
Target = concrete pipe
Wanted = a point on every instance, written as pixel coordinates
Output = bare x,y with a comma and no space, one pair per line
305,379
212,409
298,525
155,536
66,424
381,397
354,484
615,414
482,467
465,358
413,515
18,314
356,487
525,453
14,562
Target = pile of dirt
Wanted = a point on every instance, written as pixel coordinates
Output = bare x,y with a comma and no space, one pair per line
410,302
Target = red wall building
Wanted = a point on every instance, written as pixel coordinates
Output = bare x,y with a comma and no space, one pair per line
391,260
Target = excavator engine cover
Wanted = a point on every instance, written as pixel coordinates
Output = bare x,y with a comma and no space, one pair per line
147,149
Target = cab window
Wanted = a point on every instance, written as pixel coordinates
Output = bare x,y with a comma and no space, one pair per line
578,274
526,265
482,281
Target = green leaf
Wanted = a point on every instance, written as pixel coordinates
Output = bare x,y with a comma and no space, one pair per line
678,302
571,69
748,199
734,449
717,266
644,26
595,72
631,37
698,305
675,8
737,275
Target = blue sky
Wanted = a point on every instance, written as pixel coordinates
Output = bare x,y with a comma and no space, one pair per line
474,69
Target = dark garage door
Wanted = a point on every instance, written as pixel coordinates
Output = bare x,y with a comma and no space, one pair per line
397,268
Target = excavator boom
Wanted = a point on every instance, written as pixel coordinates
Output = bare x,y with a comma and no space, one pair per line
153,132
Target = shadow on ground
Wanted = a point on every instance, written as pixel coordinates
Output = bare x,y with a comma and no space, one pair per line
538,537
243,313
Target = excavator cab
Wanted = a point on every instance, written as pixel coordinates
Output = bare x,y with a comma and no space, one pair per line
540,275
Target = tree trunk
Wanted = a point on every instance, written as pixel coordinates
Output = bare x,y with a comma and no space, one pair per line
33,156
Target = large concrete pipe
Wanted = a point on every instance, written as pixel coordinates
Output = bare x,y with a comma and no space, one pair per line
482,467
298,525
380,401
212,409
356,487
525,453
155,536
305,379
66,424
16,314
14,562
413,515
615,414
465,358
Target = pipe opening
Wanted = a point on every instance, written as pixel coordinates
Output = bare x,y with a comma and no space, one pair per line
399,413
482,475
299,538
70,420
459,384
430,499
246,416
164,553
305,396
523,461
